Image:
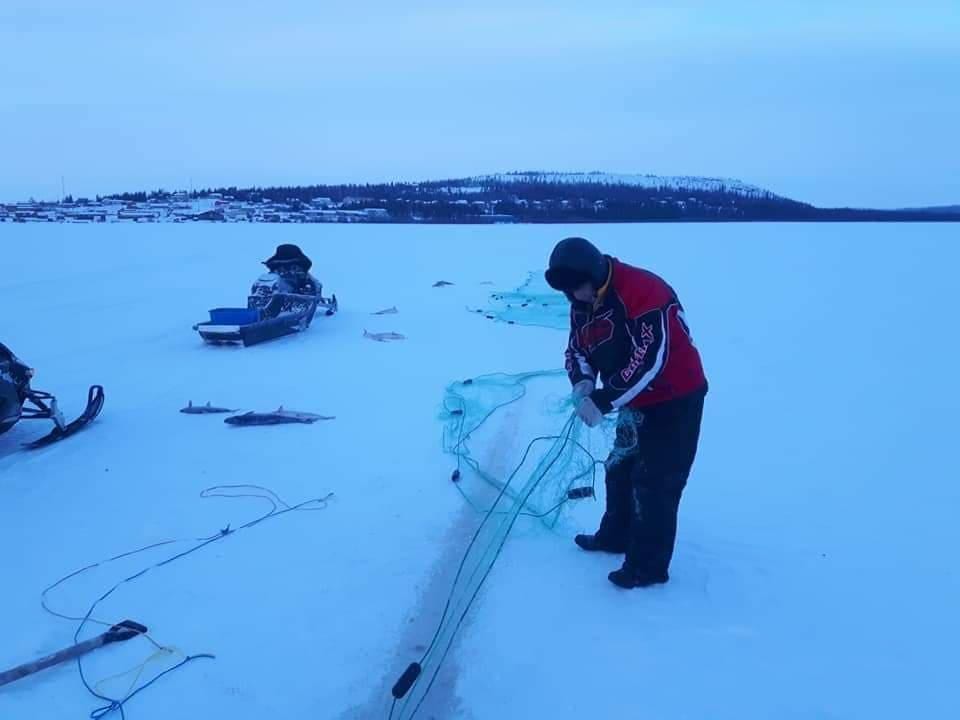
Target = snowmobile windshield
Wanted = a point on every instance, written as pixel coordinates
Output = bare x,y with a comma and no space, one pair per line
12,367
6,355
298,279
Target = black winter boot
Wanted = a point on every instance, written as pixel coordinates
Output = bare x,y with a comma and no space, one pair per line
628,580
597,543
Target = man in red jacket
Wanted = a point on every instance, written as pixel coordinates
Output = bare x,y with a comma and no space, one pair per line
627,329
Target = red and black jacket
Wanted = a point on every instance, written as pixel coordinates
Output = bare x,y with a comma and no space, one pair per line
635,340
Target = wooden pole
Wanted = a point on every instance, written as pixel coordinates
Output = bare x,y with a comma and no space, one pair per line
118,633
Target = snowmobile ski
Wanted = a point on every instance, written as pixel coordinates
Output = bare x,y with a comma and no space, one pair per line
63,429
19,401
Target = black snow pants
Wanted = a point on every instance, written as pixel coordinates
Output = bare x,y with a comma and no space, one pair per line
646,474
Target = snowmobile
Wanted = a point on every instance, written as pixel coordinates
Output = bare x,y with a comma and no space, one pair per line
18,401
281,302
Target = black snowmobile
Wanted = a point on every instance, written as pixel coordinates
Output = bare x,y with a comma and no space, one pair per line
18,401
281,302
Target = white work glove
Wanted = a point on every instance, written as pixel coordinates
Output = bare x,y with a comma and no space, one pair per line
588,411
586,408
581,390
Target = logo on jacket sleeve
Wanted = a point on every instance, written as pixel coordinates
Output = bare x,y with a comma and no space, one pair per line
644,343
596,332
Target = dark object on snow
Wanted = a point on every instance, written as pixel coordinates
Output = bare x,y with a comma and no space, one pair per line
18,401
579,493
405,682
281,302
648,471
118,633
442,283
207,409
278,417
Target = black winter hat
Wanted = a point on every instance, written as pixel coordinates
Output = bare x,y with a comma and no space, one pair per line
289,255
575,261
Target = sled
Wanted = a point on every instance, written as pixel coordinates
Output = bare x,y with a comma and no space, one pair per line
270,313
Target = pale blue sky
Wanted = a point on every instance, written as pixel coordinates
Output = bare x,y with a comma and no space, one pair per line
837,103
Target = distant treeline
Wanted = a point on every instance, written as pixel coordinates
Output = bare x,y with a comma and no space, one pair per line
471,200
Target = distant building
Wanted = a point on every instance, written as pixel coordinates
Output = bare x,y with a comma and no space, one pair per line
351,201
92,214
138,215
351,216
210,216
237,213
312,215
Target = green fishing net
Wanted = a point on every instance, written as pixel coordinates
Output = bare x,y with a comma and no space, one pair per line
521,452
486,412
533,303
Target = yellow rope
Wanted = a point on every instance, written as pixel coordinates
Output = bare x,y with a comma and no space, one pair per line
161,653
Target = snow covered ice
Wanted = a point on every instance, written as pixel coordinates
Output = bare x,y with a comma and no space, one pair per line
815,574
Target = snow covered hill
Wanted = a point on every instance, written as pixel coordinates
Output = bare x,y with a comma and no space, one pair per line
674,182
815,573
